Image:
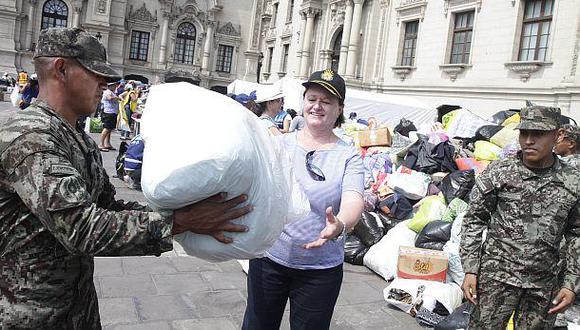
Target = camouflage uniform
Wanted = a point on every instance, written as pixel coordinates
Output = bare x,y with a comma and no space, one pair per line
57,211
572,132
526,214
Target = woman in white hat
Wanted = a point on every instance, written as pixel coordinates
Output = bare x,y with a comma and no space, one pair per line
271,101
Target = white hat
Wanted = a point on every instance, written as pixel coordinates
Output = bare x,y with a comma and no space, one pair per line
34,76
268,94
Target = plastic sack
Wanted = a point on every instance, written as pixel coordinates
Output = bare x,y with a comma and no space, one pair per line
510,150
382,257
93,125
513,120
486,151
370,201
434,235
459,319
471,164
448,294
15,96
501,116
354,250
455,271
465,124
411,184
429,158
505,136
397,206
430,209
369,229
485,133
457,185
180,167
454,209
404,127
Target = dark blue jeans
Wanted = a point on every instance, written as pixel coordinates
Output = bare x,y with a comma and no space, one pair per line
312,294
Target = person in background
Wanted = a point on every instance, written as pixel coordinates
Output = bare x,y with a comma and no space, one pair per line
297,122
249,101
305,263
22,78
120,89
283,120
270,101
127,106
568,145
10,81
29,92
110,104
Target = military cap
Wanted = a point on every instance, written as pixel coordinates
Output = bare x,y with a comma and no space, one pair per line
572,132
329,80
78,44
540,118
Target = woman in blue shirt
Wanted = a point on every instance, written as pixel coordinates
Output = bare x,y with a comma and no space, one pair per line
305,263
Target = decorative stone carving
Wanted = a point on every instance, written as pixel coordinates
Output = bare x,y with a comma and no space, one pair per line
229,29
452,70
402,71
411,9
337,12
451,4
102,6
525,69
142,15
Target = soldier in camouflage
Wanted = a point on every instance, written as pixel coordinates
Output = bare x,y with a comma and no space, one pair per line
57,206
568,145
527,203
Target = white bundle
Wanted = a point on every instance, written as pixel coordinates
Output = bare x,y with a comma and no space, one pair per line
199,143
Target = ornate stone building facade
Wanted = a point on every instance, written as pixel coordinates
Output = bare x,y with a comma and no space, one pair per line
482,55
201,41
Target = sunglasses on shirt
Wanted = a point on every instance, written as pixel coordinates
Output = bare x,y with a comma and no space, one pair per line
314,171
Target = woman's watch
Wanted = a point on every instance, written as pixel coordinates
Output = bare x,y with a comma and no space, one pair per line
342,233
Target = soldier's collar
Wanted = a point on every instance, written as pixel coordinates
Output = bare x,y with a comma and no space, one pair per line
76,133
527,173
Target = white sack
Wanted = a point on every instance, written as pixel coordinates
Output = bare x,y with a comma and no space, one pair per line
199,143
15,96
448,294
414,185
465,124
382,258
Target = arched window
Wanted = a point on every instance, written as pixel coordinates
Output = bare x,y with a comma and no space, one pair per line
54,14
336,52
185,43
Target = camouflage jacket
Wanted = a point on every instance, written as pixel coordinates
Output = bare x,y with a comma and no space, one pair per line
57,211
526,214
572,160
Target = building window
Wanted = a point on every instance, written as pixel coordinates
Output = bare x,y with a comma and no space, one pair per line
224,58
336,52
536,30
270,57
54,14
285,49
410,43
274,16
462,34
139,45
290,10
185,43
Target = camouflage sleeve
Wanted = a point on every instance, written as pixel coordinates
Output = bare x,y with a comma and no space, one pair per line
572,274
55,192
107,200
482,202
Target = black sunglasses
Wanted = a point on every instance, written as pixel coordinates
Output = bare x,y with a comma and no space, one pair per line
314,171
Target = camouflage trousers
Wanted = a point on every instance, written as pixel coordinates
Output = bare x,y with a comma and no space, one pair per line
496,301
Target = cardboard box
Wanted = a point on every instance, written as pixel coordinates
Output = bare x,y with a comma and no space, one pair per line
422,264
375,137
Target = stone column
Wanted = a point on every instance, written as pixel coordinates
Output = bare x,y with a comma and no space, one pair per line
354,39
345,38
310,15
274,16
77,9
301,44
164,36
30,24
207,46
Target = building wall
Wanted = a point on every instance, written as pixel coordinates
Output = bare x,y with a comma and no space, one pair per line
492,80
216,22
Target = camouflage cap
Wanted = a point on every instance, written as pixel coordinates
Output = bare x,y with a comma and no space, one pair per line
78,44
540,118
572,132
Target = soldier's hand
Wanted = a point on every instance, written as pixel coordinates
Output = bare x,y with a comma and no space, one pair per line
564,299
469,287
212,216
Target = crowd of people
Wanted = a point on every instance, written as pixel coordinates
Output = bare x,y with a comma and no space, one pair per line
59,209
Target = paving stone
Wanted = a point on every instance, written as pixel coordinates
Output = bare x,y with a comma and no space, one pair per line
205,324
358,293
211,304
370,316
155,308
127,286
355,275
117,310
182,283
225,281
230,266
108,266
143,326
148,265
192,264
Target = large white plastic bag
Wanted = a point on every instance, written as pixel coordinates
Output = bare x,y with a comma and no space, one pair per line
15,96
448,294
382,258
199,143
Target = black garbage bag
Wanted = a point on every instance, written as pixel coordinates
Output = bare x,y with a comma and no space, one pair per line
396,206
428,158
120,160
457,185
388,222
354,250
486,132
434,235
404,127
459,319
368,229
501,116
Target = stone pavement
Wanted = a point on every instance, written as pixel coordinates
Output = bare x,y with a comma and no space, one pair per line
173,292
